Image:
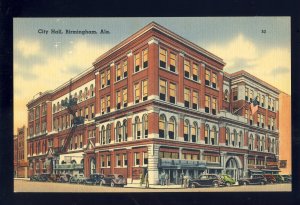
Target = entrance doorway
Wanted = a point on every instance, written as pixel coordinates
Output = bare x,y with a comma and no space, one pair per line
232,168
93,166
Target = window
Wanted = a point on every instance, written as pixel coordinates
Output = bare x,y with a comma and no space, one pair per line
86,113
214,80
171,128
234,138
258,98
273,105
194,132
108,160
125,130
145,58
102,161
246,94
251,95
86,93
108,77
37,112
125,69
118,73
92,91
227,136
213,136
108,103
172,62
226,95
145,126
118,160
119,132
118,100
137,92
108,134
269,103
263,101
187,69
162,126
195,72
269,123
246,114
251,119
31,116
195,100
250,143
207,77
262,120
138,128
235,93
273,123
102,81
172,93
80,141
240,139
214,106
145,157
186,131
103,135
206,134
162,89
125,97
162,58
103,107
145,89
258,119
124,159
207,104
137,62
93,111
187,97
136,159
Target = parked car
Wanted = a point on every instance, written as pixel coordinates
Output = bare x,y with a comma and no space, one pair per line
206,180
34,178
44,177
254,179
95,179
287,178
64,178
227,180
270,178
279,178
73,179
81,179
114,180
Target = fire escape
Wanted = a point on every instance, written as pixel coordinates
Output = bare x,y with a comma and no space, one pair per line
72,106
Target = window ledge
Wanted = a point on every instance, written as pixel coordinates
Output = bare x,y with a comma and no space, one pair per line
142,69
116,82
168,70
199,81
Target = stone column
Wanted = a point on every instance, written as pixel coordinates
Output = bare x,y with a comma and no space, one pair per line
222,156
265,161
201,157
255,157
180,153
222,133
153,150
180,87
245,165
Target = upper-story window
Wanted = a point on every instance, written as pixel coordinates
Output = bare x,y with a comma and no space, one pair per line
269,103
269,123
258,98
206,134
103,83
251,95
118,101
145,58
172,62
207,103
262,120
137,92
172,97
103,105
145,89
145,126
246,94
251,119
108,103
162,126
137,62
195,72
263,101
214,106
92,91
194,129
235,93
31,113
44,109
162,89
207,77
108,77
162,58
214,80
93,111
195,100
227,137
187,68
187,97
37,112
258,119
186,134
138,127
171,127
118,73
54,110
125,97
273,105
125,69
226,95
86,93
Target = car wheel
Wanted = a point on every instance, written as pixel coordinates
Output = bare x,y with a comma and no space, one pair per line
193,186
227,184
112,184
245,183
215,184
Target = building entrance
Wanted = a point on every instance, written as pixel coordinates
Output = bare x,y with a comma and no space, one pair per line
232,168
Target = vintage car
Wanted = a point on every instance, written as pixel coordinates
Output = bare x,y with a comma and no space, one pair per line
64,178
227,180
279,178
95,179
254,179
287,178
270,178
206,180
34,178
114,180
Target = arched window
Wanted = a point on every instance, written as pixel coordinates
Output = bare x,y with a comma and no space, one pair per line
250,142
269,144
125,130
145,126
66,101
262,144
213,136
234,138
194,131
226,95
92,90
80,95
58,106
75,96
86,93
206,137
273,146
103,135
138,128
186,134
257,139
119,132
171,127
240,139
108,136
227,137
54,108
162,126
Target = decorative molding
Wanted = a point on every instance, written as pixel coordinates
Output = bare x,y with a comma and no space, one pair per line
153,40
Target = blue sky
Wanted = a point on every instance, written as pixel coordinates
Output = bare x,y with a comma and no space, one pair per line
45,61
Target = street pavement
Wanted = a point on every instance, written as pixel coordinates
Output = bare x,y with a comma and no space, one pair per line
28,186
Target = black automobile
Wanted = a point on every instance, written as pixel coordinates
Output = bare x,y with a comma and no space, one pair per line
206,180
95,179
34,178
64,178
44,177
279,178
114,180
287,178
254,179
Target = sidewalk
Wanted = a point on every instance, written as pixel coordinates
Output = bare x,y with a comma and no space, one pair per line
22,179
154,186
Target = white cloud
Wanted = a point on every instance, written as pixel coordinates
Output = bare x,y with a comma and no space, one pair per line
28,47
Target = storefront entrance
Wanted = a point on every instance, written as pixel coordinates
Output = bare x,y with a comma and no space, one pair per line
232,168
175,174
93,166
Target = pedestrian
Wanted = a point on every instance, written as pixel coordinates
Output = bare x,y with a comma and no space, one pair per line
167,179
141,179
147,180
181,179
162,178
185,181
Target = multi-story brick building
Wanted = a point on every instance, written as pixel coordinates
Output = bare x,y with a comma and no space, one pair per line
20,153
155,102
